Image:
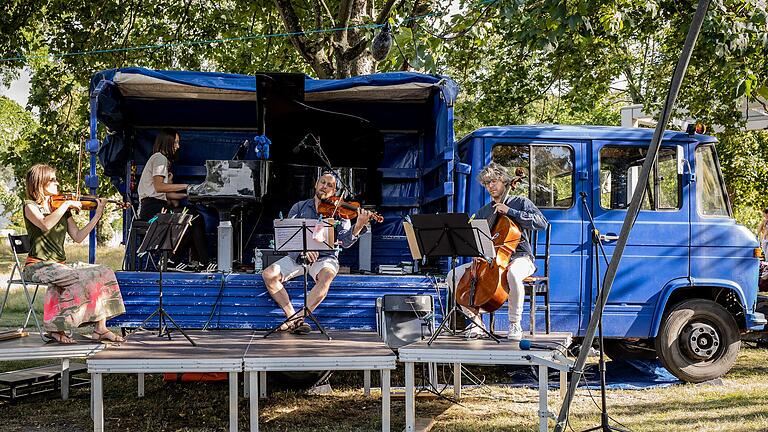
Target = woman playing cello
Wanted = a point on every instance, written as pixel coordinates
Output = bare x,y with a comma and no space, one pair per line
527,216
77,293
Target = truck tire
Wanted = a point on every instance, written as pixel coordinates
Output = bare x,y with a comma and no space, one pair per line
698,340
622,349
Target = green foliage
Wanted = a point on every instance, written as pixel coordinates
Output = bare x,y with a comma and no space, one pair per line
744,161
517,62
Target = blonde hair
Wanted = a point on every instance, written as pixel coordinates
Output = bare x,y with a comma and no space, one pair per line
494,171
37,178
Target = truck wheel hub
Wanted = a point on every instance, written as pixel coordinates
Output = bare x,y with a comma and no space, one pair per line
701,341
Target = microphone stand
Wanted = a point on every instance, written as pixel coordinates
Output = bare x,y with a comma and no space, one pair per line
599,251
318,149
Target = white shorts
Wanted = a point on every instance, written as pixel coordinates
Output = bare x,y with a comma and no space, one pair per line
290,269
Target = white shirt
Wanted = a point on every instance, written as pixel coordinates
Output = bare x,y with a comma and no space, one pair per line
157,165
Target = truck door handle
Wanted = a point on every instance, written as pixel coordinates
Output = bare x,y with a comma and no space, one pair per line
608,237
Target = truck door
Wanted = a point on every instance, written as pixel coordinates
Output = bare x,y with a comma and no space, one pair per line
553,171
658,248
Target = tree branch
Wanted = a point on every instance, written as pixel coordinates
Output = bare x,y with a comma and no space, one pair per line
345,12
384,13
309,51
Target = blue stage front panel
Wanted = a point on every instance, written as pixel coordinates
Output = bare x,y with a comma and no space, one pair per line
241,300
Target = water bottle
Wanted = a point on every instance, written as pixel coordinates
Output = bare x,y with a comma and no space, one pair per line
258,264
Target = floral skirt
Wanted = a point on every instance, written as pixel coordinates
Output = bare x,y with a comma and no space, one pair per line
77,293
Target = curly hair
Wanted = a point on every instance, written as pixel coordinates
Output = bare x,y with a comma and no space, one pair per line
494,171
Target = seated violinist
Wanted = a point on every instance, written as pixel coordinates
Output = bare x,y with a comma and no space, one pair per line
527,216
77,294
323,265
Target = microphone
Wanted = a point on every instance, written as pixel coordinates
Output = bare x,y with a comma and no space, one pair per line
526,345
583,194
302,144
241,151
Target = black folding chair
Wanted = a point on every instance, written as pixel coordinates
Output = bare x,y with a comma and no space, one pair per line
20,246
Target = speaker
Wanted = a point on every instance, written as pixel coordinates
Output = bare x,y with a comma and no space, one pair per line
403,319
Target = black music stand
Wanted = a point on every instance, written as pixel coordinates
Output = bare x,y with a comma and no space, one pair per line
165,232
449,235
286,240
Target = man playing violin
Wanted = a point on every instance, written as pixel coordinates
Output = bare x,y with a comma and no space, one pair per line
527,216
323,265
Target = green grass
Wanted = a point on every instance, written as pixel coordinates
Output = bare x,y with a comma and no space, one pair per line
740,404
112,257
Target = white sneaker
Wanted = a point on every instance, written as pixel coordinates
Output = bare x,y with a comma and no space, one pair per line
515,332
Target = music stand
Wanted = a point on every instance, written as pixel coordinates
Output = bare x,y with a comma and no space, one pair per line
165,232
294,235
451,235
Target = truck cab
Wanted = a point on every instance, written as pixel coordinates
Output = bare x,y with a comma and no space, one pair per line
686,286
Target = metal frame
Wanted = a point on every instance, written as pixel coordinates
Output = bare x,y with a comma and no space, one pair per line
544,359
20,244
97,368
385,364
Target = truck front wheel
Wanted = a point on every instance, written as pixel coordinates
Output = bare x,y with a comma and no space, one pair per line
698,340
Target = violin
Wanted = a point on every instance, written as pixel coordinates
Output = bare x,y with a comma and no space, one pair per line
484,286
88,202
332,206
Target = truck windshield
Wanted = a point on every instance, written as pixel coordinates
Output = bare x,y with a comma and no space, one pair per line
710,189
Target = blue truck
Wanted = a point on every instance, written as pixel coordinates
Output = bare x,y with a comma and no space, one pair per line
686,287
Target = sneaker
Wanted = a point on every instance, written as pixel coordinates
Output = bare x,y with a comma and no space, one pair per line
473,333
515,332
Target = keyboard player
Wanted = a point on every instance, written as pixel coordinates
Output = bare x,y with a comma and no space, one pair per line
157,193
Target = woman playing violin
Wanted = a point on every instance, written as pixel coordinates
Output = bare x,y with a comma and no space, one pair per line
77,294
527,216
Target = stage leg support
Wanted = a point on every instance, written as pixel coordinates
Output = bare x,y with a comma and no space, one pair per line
233,401
457,381
253,379
563,385
367,382
141,384
98,402
263,385
385,405
246,384
64,379
410,408
543,387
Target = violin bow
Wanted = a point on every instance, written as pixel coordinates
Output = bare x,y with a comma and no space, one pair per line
79,167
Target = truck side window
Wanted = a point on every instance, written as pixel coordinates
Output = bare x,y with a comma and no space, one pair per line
619,172
710,195
548,169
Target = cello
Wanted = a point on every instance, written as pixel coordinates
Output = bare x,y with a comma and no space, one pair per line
484,287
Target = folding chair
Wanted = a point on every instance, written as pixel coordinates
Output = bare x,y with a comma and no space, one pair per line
20,245
538,285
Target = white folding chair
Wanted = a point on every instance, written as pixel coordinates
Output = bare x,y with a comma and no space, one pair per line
19,246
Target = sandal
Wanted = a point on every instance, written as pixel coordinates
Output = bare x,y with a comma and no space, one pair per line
291,325
302,329
60,337
107,336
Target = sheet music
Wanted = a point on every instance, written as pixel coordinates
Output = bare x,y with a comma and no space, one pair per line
483,237
288,236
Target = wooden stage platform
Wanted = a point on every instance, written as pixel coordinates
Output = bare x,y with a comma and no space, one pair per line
457,350
235,351
32,347
241,351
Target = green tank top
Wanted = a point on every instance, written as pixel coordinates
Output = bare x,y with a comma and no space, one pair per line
47,246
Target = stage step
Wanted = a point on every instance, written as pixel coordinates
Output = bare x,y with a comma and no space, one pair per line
34,380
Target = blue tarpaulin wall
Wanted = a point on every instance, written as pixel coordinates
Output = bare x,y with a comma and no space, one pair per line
398,125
